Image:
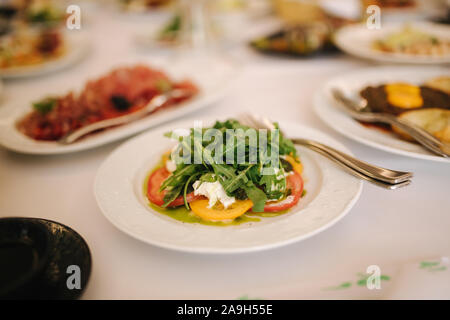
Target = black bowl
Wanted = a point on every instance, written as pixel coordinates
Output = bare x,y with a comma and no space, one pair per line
24,250
37,258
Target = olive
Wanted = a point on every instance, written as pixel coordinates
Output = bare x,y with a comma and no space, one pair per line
120,103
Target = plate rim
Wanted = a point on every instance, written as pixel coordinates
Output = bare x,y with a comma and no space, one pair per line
221,251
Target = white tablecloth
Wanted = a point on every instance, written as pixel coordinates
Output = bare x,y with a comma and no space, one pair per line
384,227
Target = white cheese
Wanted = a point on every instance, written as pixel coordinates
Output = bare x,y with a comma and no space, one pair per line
171,166
214,192
287,174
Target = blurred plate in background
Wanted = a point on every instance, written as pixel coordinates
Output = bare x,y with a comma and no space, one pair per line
351,84
77,46
212,82
358,40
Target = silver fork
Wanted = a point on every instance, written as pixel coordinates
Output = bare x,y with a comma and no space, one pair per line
155,103
386,178
359,111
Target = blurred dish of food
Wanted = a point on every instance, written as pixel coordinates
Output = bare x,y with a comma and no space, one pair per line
27,46
439,83
296,40
398,97
123,90
27,52
434,121
301,39
33,38
413,41
120,91
42,12
417,94
416,43
426,106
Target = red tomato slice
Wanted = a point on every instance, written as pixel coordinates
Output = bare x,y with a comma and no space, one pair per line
295,183
156,197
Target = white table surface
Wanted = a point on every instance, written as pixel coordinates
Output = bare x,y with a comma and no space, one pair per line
384,227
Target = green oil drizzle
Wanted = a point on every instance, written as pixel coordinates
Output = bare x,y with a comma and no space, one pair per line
184,215
267,214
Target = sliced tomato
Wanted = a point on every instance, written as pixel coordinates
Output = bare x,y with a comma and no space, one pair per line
156,197
238,208
294,182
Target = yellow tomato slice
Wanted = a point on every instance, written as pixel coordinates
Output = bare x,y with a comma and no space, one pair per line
404,95
297,166
218,212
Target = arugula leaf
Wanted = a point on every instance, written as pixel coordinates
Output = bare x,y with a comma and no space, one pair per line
180,176
234,183
171,195
224,170
208,177
186,187
241,180
257,196
274,185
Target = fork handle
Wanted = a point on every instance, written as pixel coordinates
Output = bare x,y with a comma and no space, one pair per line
358,174
358,166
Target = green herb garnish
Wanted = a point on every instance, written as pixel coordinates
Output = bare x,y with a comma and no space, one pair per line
171,30
46,14
45,106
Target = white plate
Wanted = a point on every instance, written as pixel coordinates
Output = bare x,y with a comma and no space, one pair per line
212,87
351,84
118,188
358,40
78,46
